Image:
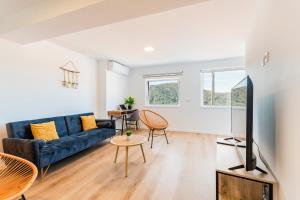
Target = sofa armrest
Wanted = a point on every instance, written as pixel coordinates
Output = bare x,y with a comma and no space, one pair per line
106,123
24,148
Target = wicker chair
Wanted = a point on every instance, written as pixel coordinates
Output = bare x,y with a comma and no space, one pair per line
154,122
16,176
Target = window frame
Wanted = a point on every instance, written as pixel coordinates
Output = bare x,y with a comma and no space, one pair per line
147,104
213,83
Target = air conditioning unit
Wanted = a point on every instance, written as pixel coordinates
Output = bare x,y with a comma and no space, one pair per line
118,68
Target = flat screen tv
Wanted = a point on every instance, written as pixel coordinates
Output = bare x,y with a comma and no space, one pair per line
242,121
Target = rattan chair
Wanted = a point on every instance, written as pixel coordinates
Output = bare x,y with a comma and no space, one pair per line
154,122
16,176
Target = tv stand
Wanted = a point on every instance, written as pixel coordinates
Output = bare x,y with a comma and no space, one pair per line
242,166
236,167
232,138
237,183
226,142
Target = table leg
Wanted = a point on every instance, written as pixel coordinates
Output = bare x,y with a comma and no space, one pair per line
143,153
111,117
116,156
123,120
126,162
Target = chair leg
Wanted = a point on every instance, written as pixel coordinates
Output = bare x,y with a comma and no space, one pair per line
136,125
152,139
149,135
166,136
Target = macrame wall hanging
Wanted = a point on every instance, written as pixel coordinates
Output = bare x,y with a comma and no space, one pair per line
70,74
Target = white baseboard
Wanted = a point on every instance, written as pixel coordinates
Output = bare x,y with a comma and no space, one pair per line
193,131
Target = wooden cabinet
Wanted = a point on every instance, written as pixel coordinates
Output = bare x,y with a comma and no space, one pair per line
240,184
237,188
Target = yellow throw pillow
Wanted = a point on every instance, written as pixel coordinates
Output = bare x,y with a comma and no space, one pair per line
44,131
88,122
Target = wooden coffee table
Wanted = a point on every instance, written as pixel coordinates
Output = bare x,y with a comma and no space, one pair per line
122,141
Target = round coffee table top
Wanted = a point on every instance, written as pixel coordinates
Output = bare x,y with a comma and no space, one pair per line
133,141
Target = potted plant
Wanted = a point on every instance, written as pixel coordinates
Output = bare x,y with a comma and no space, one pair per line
129,102
128,133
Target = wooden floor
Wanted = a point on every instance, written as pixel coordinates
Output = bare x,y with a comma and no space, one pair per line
181,170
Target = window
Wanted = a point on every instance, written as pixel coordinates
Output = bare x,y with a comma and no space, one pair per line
162,92
216,86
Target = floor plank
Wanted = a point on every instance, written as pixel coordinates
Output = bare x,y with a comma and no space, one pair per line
183,169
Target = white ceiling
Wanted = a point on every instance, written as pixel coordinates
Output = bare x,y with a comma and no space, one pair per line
209,30
179,30
12,6
38,20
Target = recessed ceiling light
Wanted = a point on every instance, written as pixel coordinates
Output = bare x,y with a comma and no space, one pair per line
149,49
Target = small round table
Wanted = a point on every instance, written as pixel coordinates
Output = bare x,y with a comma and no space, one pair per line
122,141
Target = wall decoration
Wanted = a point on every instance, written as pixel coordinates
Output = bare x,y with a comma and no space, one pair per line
70,74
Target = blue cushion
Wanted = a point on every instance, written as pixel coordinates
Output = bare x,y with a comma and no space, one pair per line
74,124
22,129
56,150
98,134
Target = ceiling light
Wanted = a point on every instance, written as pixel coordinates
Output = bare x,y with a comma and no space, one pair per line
149,49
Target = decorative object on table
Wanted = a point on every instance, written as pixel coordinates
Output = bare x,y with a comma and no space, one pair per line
71,75
129,102
133,119
123,107
154,122
128,133
120,141
17,175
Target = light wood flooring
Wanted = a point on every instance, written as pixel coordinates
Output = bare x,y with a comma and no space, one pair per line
181,170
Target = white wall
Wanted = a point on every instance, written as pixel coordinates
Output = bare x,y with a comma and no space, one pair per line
30,83
101,88
116,89
113,88
277,93
189,116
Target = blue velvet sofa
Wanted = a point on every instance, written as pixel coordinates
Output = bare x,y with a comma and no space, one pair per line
72,139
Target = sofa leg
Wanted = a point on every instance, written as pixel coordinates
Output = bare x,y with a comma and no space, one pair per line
43,173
